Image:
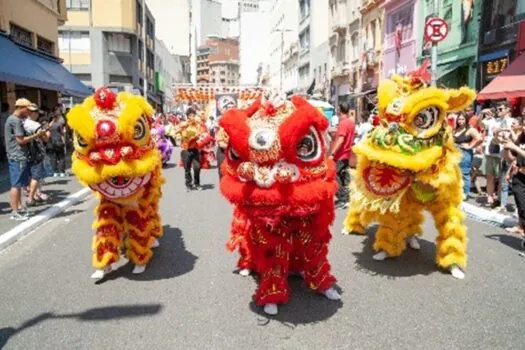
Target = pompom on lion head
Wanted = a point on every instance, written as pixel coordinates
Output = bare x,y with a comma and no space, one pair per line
114,150
412,133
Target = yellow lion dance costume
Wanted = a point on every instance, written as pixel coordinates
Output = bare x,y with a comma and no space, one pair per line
116,157
407,164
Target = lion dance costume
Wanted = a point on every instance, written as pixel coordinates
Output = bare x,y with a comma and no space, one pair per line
277,177
116,157
162,143
409,163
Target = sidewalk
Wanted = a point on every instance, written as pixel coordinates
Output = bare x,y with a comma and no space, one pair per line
57,189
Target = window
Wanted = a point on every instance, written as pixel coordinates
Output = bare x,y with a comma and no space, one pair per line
119,79
139,12
304,39
78,5
373,34
21,36
45,45
119,43
74,41
85,78
141,50
355,47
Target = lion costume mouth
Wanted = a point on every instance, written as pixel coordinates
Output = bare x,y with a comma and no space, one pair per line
386,181
121,187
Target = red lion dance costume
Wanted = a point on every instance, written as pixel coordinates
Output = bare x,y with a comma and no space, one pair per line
116,157
205,144
277,176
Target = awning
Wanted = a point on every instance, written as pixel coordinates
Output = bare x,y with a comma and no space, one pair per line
71,85
508,84
18,67
443,70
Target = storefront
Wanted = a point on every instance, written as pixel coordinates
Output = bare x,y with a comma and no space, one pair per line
400,41
500,21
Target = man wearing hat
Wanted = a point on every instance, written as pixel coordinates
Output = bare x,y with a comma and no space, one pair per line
16,141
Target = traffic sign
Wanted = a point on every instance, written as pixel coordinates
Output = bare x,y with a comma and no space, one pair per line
436,30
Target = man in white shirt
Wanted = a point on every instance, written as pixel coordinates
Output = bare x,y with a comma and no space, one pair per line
493,151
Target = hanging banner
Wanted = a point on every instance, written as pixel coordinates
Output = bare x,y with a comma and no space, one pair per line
225,101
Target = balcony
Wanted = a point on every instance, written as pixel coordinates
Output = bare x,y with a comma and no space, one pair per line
502,35
369,5
340,23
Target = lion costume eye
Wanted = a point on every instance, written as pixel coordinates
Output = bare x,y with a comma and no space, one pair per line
309,148
232,154
139,130
426,118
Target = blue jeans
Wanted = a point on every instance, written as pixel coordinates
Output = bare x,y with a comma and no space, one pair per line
466,168
19,173
504,184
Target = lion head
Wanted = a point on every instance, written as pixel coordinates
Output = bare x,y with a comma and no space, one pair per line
276,156
412,134
114,150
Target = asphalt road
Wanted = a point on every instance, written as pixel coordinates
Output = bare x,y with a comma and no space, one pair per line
190,297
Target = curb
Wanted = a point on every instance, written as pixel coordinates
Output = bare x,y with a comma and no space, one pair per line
488,216
30,225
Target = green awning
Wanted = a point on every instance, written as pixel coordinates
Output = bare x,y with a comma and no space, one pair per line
445,69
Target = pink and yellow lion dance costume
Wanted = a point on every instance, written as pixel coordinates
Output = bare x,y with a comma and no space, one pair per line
407,164
282,186
116,157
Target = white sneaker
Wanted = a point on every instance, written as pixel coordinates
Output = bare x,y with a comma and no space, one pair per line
139,269
271,309
245,272
155,244
332,294
17,216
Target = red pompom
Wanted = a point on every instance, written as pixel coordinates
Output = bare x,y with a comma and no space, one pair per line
105,98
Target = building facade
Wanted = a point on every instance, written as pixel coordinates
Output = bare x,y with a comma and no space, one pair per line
372,24
218,62
457,54
168,71
313,40
103,45
500,20
205,21
283,32
344,46
172,24
253,47
400,40
29,66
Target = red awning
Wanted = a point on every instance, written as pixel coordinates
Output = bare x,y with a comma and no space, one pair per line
510,83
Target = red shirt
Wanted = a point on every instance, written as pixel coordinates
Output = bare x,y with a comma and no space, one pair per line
346,129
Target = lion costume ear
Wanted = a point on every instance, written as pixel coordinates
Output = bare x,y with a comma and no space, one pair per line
386,92
459,99
254,107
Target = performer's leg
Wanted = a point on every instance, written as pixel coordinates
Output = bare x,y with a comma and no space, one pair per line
451,243
240,239
353,223
139,239
389,241
196,168
186,161
313,254
273,266
108,237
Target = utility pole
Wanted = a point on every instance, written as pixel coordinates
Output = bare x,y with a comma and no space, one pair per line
145,50
434,56
282,31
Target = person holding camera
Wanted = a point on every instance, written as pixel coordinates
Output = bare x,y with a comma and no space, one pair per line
494,167
514,146
18,155
37,154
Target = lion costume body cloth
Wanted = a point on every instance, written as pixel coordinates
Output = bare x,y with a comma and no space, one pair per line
282,187
116,157
409,163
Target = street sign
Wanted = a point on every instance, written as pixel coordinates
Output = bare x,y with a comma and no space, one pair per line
436,30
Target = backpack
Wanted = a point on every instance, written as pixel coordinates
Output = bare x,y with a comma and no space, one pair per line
34,153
